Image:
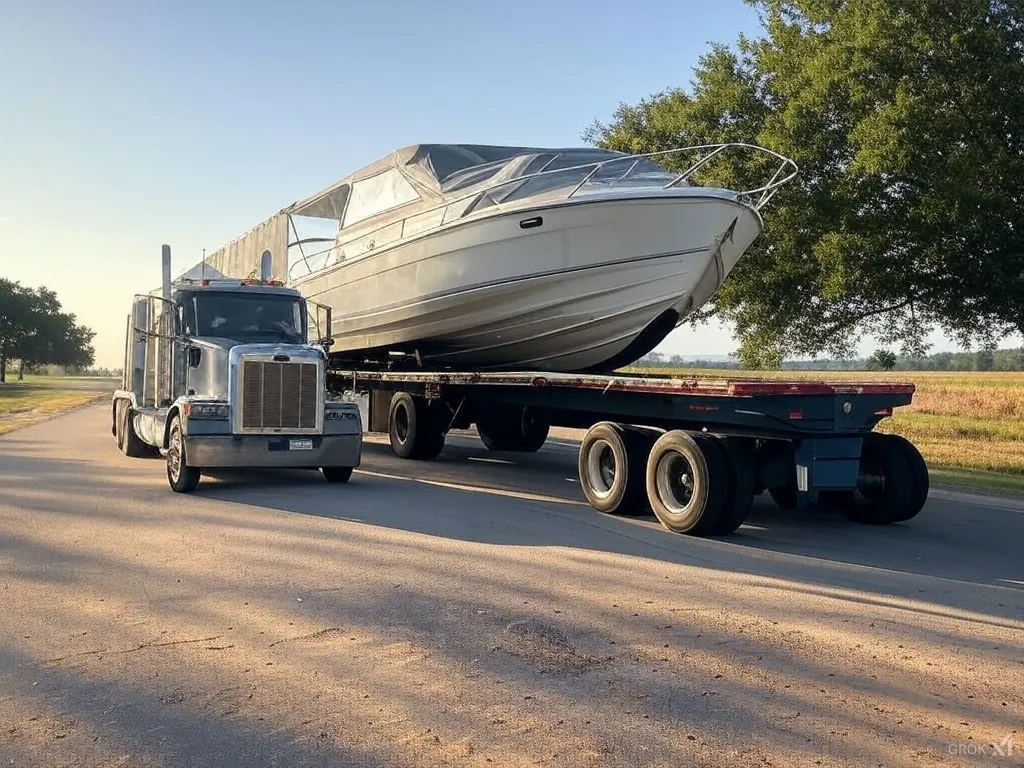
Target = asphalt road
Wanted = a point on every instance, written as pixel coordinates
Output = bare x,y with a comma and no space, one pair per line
475,612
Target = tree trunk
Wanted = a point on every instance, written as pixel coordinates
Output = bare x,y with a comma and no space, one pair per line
21,370
3,367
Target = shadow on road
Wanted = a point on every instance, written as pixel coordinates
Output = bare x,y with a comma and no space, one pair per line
763,643
472,495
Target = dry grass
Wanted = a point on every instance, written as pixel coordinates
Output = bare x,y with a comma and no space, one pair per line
37,398
959,421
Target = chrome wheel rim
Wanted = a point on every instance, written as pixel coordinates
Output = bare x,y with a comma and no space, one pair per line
675,482
174,454
601,468
402,423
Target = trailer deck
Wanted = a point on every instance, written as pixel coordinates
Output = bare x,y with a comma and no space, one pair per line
694,451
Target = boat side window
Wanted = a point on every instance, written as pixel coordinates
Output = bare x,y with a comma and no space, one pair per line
377,194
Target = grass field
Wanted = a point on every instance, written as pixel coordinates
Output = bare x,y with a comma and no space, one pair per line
969,426
39,397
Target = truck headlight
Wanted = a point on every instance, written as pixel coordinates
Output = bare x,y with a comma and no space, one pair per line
340,413
207,410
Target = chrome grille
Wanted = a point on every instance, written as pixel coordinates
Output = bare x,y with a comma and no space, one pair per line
279,395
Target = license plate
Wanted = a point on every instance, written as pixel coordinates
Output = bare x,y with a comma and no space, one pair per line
300,445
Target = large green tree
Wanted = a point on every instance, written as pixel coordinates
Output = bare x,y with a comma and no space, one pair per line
906,118
35,330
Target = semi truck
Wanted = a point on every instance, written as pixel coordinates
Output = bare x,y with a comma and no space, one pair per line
226,372
220,372
694,452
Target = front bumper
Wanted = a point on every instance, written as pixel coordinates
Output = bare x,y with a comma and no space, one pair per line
204,451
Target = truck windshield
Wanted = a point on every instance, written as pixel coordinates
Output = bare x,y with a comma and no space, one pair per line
248,317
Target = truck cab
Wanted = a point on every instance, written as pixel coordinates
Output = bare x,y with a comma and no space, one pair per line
227,372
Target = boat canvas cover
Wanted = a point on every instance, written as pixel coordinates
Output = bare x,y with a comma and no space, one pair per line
436,174
428,181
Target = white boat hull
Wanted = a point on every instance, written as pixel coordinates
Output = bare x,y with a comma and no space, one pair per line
572,294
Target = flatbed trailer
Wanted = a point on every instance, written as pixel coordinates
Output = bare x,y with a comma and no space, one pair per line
694,452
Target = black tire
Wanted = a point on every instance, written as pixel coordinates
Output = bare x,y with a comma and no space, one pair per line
182,477
919,468
612,467
118,425
686,480
336,474
413,428
128,441
517,430
887,485
741,462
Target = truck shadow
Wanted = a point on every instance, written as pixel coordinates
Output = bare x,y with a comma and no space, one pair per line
473,495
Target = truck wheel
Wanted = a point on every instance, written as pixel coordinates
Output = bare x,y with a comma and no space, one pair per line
686,482
413,428
519,430
741,463
888,488
919,469
118,425
181,477
612,467
128,441
336,474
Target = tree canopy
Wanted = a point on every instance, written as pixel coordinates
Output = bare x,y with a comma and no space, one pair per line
905,117
34,330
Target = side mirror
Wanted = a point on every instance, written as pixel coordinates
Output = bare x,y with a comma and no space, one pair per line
195,354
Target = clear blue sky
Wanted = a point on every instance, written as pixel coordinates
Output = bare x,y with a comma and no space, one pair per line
124,125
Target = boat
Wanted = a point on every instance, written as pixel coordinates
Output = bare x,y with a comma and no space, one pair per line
573,259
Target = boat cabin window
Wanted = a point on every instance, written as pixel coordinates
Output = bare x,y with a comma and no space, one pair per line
246,317
378,194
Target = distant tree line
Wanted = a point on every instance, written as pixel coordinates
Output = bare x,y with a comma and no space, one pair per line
881,360
34,331
61,370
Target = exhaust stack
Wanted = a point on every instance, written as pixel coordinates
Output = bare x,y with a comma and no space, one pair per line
165,258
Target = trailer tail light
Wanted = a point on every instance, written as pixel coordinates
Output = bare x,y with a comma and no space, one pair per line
796,414
883,412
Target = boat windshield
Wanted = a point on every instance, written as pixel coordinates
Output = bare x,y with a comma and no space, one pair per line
252,317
